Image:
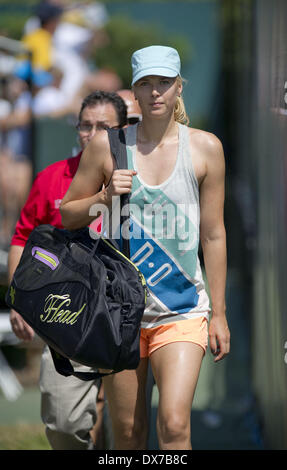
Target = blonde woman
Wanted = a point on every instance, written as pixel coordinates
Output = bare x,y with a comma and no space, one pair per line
176,185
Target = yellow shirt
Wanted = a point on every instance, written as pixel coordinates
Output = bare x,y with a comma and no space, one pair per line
39,42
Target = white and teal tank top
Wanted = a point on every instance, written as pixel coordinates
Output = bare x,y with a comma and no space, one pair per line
164,238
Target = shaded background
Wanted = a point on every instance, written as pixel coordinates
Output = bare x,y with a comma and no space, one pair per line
234,58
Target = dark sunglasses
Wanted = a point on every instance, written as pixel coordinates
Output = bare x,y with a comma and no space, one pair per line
133,120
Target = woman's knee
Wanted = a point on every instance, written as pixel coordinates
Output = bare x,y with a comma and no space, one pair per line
173,427
131,434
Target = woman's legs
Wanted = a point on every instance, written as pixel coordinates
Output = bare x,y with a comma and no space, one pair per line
176,368
126,394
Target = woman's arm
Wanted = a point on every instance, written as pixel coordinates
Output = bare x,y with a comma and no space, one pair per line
89,185
213,242
84,190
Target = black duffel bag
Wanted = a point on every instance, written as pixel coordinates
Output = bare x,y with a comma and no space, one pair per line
83,297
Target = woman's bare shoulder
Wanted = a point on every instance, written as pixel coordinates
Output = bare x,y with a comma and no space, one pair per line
98,148
205,141
97,157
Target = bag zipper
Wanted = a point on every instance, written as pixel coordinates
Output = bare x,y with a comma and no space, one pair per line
141,276
46,257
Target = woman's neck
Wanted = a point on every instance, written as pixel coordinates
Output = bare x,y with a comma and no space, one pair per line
151,130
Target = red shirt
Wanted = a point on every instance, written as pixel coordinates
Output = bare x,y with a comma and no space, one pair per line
43,203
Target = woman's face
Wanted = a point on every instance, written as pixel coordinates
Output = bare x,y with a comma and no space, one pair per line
157,95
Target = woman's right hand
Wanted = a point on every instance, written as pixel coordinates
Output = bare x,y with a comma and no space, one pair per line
120,183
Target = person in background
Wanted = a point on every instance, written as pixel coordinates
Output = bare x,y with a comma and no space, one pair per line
134,110
15,154
64,36
77,38
51,101
40,41
72,409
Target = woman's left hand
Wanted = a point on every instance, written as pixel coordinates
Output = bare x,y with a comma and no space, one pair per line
219,337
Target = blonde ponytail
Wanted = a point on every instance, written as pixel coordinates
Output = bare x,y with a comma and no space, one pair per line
180,114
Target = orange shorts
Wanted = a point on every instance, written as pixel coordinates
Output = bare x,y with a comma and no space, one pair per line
194,330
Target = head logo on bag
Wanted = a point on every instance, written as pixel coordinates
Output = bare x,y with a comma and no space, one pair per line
55,312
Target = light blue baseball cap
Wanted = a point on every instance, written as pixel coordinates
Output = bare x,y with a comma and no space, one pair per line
155,60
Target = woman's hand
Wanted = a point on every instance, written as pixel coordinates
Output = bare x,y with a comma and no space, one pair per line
120,183
219,337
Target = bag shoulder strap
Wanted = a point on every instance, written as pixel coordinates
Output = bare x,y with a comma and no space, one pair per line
117,139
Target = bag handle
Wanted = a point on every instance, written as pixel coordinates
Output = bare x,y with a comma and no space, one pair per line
117,139
64,367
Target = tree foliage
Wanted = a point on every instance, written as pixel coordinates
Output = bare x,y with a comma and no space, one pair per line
126,36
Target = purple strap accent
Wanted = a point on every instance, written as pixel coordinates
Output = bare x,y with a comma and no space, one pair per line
36,249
